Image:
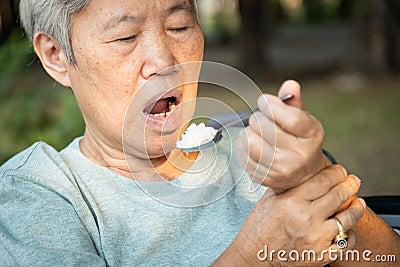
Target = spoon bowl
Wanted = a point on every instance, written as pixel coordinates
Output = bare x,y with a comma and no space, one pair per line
218,135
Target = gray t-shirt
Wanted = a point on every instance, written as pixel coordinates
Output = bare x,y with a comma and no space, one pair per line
60,209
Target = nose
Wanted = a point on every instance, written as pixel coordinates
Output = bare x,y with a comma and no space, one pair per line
159,57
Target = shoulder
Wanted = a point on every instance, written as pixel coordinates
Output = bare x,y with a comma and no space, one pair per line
44,216
40,164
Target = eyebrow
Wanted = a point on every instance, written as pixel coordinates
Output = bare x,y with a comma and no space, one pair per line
180,7
115,20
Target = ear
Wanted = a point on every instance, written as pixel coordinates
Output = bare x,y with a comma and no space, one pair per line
52,57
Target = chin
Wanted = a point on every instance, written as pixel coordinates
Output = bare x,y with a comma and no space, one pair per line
161,145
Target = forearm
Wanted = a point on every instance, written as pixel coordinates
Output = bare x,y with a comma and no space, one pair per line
375,235
239,253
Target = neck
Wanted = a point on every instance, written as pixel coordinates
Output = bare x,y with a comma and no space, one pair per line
167,167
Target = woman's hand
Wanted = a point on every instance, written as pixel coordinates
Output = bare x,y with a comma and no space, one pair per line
299,219
282,146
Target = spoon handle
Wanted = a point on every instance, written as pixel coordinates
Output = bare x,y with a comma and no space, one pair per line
242,118
245,117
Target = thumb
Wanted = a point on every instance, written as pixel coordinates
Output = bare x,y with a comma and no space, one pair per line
291,87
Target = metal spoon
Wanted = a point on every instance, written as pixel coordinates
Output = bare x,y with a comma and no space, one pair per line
243,118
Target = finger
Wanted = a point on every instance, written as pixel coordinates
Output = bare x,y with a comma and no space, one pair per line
258,149
256,155
263,126
272,133
244,145
350,216
321,183
291,119
241,147
337,196
256,146
258,172
292,87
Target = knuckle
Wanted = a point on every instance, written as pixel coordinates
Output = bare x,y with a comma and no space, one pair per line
302,158
250,169
255,152
339,194
271,182
255,123
290,203
281,169
319,134
316,132
337,170
350,220
311,240
252,120
324,182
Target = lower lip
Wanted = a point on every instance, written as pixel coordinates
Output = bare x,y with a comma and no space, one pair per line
164,124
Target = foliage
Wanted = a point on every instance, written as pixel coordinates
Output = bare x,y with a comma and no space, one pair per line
15,55
362,128
224,25
32,106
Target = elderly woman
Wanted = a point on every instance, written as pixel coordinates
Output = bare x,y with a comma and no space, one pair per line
84,205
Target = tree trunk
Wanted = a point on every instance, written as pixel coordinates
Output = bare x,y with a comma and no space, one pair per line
252,36
393,34
378,45
371,41
6,19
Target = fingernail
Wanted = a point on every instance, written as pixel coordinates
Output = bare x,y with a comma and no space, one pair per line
358,181
344,171
287,97
363,204
262,102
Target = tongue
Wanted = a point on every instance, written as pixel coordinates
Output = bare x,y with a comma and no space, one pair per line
160,106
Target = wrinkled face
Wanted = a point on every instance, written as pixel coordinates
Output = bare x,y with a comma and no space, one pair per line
119,45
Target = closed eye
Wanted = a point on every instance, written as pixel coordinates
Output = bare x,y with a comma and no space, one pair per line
181,29
127,39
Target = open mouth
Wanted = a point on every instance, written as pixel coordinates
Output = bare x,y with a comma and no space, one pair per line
162,108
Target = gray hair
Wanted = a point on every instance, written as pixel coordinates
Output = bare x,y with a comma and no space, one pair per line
52,17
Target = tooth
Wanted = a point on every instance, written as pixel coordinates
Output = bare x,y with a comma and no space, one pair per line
172,106
156,115
167,114
162,114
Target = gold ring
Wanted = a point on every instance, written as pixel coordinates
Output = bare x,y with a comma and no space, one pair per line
342,235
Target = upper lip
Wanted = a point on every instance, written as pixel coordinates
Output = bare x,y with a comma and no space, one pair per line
177,93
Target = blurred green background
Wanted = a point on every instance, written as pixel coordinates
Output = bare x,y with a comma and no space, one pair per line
344,53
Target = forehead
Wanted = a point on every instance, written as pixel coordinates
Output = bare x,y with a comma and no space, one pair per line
104,14
99,8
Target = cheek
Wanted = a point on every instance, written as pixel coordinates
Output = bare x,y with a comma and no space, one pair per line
191,49
105,77
102,94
